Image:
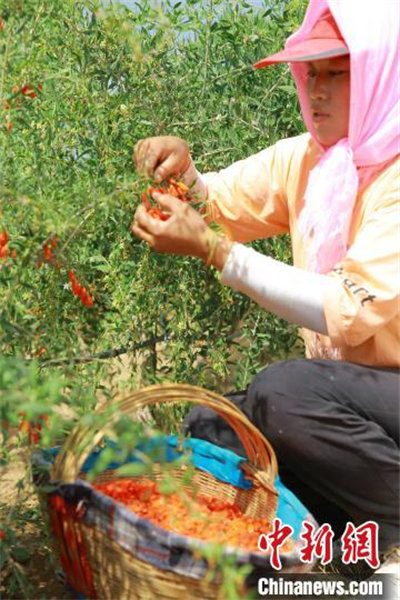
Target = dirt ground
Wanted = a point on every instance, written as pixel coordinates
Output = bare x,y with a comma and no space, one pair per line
37,566
20,510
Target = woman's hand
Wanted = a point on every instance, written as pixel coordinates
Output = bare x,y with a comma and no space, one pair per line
185,232
159,157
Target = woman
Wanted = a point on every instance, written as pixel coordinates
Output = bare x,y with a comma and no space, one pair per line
332,418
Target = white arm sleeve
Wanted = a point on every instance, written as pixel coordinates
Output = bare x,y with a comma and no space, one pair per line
291,293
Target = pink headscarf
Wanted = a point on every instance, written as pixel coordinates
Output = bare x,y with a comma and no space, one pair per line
371,32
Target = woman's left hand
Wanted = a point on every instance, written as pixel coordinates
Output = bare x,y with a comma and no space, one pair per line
185,232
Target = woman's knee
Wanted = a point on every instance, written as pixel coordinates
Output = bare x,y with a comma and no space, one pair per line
278,395
288,377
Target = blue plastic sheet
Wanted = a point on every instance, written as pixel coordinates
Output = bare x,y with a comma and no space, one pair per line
223,464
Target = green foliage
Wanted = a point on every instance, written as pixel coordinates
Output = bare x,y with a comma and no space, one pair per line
80,83
103,78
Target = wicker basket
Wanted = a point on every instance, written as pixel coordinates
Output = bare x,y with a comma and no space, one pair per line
108,552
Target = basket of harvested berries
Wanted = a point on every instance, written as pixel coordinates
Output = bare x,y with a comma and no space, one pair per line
121,537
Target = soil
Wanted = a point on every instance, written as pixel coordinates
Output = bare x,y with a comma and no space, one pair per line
38,568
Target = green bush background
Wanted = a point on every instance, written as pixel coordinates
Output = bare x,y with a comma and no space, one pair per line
104,77
111,77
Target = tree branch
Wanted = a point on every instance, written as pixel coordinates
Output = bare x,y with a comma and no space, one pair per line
112,353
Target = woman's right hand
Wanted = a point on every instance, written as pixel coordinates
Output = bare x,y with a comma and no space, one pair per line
162,156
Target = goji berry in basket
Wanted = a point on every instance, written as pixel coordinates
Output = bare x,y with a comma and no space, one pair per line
202,517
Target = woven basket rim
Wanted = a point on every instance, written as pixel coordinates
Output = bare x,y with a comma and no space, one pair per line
68,462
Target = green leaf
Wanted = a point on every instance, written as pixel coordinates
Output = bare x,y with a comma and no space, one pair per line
133,469
20,554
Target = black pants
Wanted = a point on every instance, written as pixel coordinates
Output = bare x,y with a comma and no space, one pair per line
335,429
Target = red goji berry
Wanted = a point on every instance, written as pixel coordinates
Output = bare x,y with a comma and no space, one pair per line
203,517
3,237
171,187
85,297
47,252
157,213
27,90
87,300
146,201
76,288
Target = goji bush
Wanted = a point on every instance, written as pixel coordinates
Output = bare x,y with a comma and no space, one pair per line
80,82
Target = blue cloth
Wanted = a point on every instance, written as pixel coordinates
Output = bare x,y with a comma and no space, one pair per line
223,464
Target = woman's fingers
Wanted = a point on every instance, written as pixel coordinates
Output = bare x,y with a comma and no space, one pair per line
161,156
143,226
145,221
167,201
142,234
145,158
171,165
182,233
137,152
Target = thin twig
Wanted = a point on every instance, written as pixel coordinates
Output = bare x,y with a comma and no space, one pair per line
249,124
3,73
242,69
219,151
38,16
75,231
219,117
207,52
112,353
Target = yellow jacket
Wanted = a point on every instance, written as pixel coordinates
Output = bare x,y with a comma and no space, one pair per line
262,196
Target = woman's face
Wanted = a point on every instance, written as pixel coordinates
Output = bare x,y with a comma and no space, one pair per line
328,90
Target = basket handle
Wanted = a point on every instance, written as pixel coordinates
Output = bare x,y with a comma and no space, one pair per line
80,443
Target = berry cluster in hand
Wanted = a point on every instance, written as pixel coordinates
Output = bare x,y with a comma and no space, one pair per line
169,186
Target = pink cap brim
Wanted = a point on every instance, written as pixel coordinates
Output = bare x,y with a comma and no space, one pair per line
306,51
